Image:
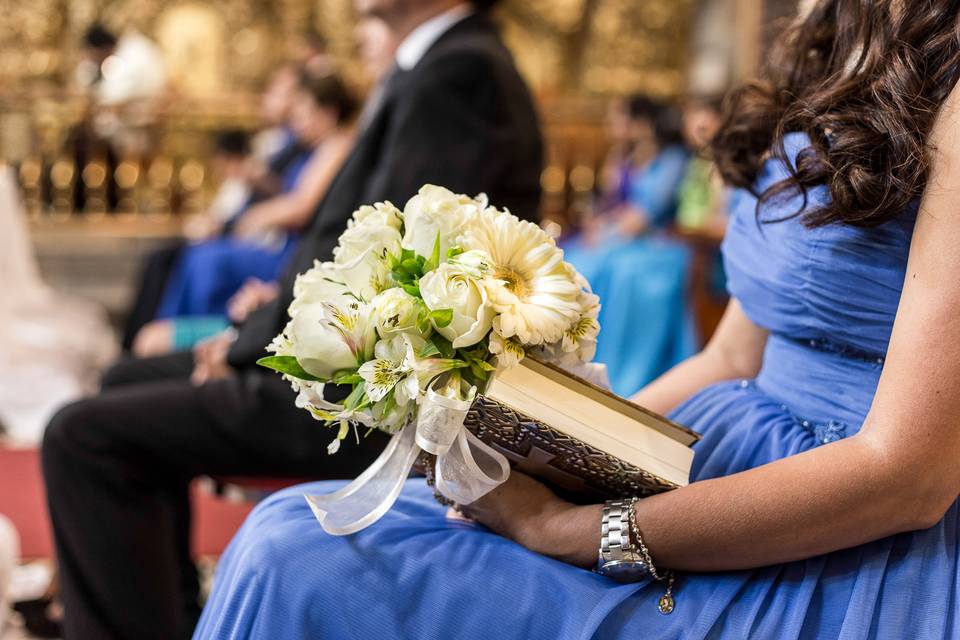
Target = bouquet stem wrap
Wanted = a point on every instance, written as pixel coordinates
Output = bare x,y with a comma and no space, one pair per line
467,469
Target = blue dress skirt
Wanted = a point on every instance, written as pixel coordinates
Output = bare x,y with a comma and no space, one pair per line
828,297
208,274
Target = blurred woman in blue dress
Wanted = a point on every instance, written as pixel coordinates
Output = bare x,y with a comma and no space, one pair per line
245,252
823,501
639,272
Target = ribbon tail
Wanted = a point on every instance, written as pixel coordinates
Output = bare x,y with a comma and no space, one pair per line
365,500
470,469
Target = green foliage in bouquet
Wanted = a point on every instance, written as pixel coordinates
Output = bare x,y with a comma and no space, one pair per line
439,296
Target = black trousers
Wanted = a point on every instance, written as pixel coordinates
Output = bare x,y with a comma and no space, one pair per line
156,270
117,469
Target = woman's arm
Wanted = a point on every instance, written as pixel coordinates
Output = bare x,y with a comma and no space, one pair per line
292,210
899,473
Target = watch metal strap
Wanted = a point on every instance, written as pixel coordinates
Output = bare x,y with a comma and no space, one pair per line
615,543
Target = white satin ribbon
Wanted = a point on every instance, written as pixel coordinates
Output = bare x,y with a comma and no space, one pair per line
467,469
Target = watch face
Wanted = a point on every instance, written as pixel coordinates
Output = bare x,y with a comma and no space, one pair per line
625,570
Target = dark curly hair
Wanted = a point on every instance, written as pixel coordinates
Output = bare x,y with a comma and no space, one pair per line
865,80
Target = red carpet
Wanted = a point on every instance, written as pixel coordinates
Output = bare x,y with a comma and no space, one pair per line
22,500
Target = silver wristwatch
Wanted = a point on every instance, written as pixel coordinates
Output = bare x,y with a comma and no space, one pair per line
619,558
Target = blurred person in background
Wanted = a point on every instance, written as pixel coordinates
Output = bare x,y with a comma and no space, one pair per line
256,242
625,251
703,197
452,111
278,158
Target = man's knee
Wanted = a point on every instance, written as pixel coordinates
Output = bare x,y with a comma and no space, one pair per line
62,435
119,373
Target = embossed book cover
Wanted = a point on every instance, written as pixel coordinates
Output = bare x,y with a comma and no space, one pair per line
584,441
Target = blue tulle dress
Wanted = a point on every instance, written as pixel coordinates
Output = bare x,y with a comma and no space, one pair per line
829,297
646,325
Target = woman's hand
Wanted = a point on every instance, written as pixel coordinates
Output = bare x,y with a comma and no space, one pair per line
254,222
527,512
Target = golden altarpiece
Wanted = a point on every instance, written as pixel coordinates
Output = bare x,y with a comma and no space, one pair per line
576,54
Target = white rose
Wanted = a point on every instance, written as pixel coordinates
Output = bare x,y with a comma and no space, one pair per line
376,239
451,286
435,210
328,338
380,214
395,311
322,283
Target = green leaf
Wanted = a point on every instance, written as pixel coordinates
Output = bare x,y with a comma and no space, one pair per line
486,366
412,289
410,266
444,346
289,366
453,252
434,260
357,397
442,317
346,377
429,349
479,372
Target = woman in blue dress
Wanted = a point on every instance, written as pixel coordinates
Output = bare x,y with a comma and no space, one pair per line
259,240
627,257
824,493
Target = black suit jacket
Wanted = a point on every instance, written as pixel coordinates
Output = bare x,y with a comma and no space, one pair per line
462,118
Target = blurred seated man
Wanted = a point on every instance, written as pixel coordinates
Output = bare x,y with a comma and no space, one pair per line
452,111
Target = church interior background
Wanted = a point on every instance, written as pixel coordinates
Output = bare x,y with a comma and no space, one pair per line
575,54
578,56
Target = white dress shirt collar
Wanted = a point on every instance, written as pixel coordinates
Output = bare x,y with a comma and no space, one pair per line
419,41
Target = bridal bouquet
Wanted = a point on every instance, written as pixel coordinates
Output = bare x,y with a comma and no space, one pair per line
417,311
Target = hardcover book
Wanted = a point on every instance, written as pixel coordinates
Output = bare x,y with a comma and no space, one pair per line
585,442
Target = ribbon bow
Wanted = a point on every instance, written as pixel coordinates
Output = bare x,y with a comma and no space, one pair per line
467,469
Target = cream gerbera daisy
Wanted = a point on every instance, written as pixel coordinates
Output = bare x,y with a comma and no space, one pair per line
531,289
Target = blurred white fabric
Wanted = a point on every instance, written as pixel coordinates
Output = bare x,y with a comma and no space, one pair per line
9,550
135,71
52,345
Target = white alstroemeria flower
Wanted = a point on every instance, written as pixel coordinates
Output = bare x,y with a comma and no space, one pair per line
435,210
394,368
391,417
509,351
329,337
530,287
310,397
580,340
461,289
395,311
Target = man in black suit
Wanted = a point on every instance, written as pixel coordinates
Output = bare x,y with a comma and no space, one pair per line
453,111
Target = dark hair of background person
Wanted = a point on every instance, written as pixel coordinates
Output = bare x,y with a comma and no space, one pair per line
665,118
484,5
865,82
234,143
98,36
330,91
